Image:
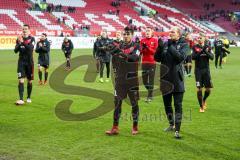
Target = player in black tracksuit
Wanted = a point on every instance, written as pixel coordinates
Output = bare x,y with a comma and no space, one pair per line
220,52
104,56
218,44
43,50
95,52
67,48
202,53
172,55
125,65
25,46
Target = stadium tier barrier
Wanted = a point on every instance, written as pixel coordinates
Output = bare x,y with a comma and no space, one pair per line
37,32
8,42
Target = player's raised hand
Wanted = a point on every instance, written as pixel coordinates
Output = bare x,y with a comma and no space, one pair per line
20,39
144,46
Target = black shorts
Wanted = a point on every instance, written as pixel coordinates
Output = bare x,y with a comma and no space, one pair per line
43,63
188,59
148,73
148,67
126,88
25,70
122,93
67,55
203,78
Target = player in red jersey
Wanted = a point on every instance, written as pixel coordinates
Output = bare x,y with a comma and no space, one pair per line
148,47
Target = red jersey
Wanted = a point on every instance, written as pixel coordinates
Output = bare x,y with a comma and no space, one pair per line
148,48
190,43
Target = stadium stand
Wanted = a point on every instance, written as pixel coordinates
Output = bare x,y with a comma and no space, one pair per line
65,15
211,10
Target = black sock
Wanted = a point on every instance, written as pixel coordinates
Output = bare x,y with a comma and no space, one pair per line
46,76
29,90
135,114
150,93
117,112
21,90
186,69
68,63
108,72
108,69
97,65
190,69
206,94
199,96
40,75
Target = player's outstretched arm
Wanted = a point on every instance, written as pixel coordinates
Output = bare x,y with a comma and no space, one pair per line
226,50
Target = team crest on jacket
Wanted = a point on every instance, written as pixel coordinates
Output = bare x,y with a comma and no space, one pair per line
178,47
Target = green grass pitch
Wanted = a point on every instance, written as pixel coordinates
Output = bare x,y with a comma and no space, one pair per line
33,131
